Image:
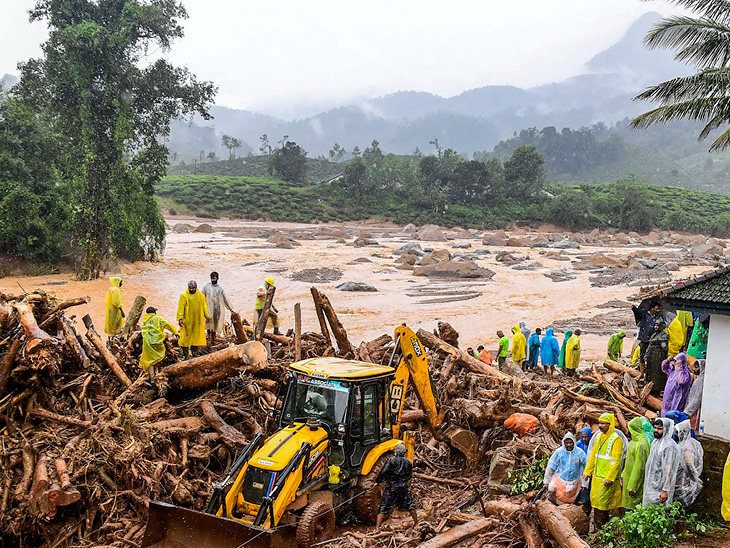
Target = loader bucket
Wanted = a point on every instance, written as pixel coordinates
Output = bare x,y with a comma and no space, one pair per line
173,527
463,440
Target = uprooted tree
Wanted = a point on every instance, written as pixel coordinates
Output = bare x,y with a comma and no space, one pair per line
109,113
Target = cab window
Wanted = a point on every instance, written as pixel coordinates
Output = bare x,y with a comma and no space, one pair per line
370,412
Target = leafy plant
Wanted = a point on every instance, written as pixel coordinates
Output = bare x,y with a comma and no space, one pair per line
528,478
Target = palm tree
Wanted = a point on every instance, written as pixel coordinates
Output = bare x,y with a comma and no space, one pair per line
702,40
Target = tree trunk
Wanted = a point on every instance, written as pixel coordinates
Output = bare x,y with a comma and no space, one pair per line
73,343
264,317
231,437
133,316
297,332
530,531
620,368
6,364
559,526
36,338
186,426
241,337
107,356
320,315
279,339
576,516
461,532
343,343
209,369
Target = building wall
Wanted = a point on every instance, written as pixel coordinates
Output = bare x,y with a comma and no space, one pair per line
716,394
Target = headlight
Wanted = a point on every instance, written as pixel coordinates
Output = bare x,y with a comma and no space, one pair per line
341,430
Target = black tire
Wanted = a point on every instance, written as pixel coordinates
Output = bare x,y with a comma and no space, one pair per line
367,504
316,525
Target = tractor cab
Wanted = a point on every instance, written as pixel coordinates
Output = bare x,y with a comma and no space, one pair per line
348,399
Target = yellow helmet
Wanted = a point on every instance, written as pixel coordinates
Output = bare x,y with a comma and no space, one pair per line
269,281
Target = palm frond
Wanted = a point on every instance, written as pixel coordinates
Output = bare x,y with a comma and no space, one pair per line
722,142
709,83
695,109
713,9
702,42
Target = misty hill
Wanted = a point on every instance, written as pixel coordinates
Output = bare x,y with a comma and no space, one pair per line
474,120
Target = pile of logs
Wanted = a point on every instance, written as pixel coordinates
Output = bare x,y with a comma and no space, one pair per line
88,439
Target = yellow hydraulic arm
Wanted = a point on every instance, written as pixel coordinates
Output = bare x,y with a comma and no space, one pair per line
414,366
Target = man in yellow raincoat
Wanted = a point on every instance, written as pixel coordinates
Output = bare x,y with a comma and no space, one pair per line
572,353
114,310
604,467
519,344
192,311
725,509
677,335
261,293
153,340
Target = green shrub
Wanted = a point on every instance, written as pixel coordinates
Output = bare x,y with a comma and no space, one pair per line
528,478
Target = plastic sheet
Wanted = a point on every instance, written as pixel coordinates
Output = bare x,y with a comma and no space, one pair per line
661,467
689,483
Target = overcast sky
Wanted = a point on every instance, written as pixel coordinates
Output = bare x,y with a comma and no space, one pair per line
290,54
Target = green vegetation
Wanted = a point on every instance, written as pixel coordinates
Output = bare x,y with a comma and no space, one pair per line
528,478
652,527
89,155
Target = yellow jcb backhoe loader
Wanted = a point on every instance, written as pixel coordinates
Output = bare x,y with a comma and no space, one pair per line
339,422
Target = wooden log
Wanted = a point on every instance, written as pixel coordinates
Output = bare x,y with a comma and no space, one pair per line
73,343
264,316
106,355
320,314
68,303
241,336
185,426
297,332
344,346
36,338
413,415
612,391
461,532
530,531
69,494
133,316
434,343
280,339
576,517
230,436
89,348
49,415
363,353
620,368
558,526
442,481
209,369
630,388
40,483
500,508
28,471
6,364
595,401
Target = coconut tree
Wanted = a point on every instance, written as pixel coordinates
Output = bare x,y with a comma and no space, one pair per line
701,39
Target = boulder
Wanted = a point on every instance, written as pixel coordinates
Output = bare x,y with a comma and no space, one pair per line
494,239
431,233
718,242
182,228
411,248
278,238
452,269
387,235
324,232
356,286
621,238
410,228
565,244
460,234
285,244
515,241
362,242
671,266
706,251
204,228
600,260
506,257
407,259
577,238
462,245
362,260
427,261
442,255
561,275
647,263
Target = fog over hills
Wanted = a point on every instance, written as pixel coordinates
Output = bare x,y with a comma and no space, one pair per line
474,120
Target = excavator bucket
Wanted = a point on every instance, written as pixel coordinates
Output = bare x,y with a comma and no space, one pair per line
173,527
463,440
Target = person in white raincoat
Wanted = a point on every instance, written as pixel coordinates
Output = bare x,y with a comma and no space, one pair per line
689,483
660,476
216,299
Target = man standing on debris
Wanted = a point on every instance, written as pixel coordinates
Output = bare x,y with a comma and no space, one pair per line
655,356
616,345
534,346
525,330
566,338
261,293
215,299
572,353
518,346
660,476
503,349
153,340
192,311
396,473
550,351
114,309
632,479
563,471
679,381
603,467
645,322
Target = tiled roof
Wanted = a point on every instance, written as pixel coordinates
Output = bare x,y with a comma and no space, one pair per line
713,287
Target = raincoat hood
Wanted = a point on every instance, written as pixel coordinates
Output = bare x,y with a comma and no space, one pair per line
147,316
648,429
611,420
548,332
684,430
115,281
622,333
677,416
516,329
568,436
523,324
681,357
668,425
636,429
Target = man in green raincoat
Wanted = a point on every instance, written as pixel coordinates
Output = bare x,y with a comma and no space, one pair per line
604,466
561,361
632,479
153,340
616,345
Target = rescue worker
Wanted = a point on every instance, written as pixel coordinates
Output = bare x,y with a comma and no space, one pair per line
661,466
603,467
563,471
689,482
153,340
697,347
616,346
114,309
572,353
215,299
518,346
584,438
632,479
645,322
396,473
694,400
534,347
484,355
192,311
549,351
566,338
656,353
648,428
471,352
525,330
261,293
503,349
677,335
679,381
687,319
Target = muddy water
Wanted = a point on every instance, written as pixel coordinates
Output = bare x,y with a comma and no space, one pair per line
243,261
